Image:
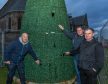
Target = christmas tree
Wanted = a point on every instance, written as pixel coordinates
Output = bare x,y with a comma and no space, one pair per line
41,21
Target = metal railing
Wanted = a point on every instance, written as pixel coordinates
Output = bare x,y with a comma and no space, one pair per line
103,76
103,38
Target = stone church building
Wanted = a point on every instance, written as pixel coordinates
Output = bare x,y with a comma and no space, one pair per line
10,20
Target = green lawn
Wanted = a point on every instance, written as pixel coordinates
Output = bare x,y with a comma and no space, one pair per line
3,74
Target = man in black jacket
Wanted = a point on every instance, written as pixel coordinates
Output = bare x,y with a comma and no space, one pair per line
91,58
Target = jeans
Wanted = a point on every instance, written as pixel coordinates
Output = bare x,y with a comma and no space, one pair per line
77,69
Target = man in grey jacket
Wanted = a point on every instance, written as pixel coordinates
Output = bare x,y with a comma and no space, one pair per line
76,38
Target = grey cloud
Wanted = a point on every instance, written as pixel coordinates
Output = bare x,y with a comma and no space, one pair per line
97,10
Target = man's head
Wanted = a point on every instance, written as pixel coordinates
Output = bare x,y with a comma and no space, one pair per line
24,37
89,33
80,31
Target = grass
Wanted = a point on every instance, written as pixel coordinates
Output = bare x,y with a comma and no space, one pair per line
3,75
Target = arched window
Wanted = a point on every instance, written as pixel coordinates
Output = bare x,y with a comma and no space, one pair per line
9,23
19,23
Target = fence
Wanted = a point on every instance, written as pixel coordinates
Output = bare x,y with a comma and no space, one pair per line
103,76
103,38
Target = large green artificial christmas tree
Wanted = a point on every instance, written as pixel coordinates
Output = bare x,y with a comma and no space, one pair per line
41,21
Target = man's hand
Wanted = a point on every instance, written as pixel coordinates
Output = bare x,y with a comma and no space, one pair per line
67,53
7,62
37,61
61,27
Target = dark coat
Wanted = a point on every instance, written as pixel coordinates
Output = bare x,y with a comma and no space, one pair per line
16,52
91,55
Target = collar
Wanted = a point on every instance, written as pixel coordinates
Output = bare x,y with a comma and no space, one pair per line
22,41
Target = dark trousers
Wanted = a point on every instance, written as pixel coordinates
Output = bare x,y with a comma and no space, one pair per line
88,76
11,72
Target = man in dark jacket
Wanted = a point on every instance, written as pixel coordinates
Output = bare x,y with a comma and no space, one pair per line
14,57
76,38
91,59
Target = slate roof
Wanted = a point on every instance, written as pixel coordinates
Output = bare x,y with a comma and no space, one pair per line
79,20
13,5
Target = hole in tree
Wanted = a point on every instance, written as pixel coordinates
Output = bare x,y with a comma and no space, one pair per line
53,14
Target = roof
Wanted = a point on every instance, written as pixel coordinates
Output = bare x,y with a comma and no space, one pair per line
79,20
13,5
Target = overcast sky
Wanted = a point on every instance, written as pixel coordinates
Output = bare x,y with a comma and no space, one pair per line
97,10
